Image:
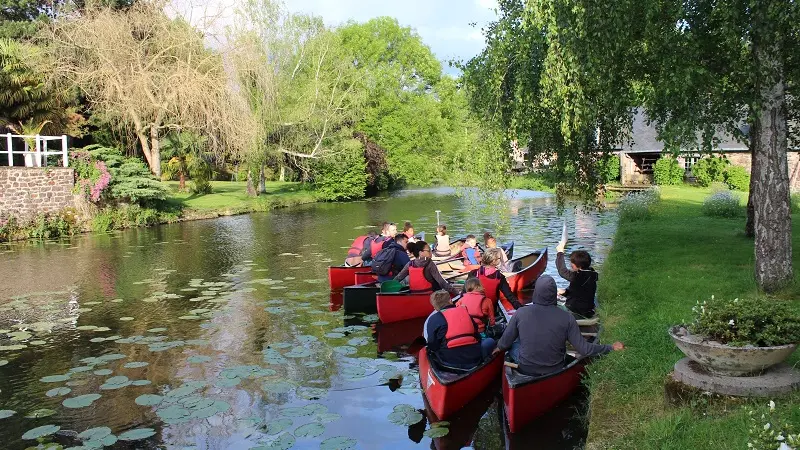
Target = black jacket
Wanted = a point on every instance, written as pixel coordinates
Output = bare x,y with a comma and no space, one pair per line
582,287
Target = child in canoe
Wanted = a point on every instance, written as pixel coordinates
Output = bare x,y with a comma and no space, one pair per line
422,273
442,249
582,281
480,308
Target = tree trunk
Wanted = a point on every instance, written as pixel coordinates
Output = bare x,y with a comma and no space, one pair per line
283,173
771,203
155,152
262,181
182,182
251,189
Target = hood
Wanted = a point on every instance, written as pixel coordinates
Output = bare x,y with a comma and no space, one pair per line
545,291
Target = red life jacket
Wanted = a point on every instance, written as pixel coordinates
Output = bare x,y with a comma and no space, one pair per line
377,245
491,284
472,301
464,255
460,328
356,246
416,278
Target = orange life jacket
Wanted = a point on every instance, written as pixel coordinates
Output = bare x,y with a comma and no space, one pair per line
472,301
464,255
356,246
460,328
416,278
491,284
377,245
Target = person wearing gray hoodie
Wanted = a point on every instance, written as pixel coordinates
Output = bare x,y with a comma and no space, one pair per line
537,333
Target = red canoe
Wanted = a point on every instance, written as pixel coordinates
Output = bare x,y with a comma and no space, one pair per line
448,392
397,335
464,425
395,307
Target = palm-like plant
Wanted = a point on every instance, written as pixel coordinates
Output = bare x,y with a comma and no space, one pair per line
186,158
24,94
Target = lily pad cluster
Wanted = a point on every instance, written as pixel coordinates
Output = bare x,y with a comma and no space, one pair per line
183,404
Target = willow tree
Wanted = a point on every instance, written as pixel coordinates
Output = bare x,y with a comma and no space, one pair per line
151,74
298,80
558,69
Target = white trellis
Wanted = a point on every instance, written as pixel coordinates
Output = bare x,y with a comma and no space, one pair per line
36,149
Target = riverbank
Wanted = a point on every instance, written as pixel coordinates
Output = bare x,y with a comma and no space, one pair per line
657,270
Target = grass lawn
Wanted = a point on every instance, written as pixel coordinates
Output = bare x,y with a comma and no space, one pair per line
657,270
231,197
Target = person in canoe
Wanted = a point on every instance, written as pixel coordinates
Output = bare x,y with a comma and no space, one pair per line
492,279
480,308
408,230
452,337
491,242
360,250
582,281
391,260
536,335
388,232
442,249
470,252
422,273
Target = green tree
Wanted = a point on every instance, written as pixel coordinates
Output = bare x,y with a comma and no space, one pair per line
186,156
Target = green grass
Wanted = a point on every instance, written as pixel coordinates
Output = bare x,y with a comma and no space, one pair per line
656,271
230,197
530,182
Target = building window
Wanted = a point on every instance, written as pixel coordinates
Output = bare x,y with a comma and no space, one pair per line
689,161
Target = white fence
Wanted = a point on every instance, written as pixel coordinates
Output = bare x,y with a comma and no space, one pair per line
35,148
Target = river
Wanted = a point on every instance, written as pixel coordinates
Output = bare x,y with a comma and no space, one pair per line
221,334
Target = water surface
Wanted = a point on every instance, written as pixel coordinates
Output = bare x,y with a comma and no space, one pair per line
222,333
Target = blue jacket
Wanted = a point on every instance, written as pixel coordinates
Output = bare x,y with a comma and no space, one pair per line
470,252
465,357
400,260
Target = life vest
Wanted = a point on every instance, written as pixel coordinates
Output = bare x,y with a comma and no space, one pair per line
472,301
460,328
491,284
416,278
377,245
464,255
356,247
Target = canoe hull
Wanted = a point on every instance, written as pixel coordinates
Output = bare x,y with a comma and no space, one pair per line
524,403
361,298
341,276
396,307
529,274
392,336
447,398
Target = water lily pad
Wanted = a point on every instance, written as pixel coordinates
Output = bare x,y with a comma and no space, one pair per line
117,382
54,378
282,442
298,352
86,327
345,350
81,369
314,364
354,372
103,372
278,387
327,417
39,413
148,400
197,359
80,401
94,434
320,323
173,412
228,382
276,426
190,317
404,416
126,319
98,329
58,392
6,413
3,362
136,364
437,432
370,318
338,443
311,393
19,335
137,434
334,335
42,431
9,348
74,383
281,345
156,330
307,338
140,382
359,341
186,389
112,357
309,430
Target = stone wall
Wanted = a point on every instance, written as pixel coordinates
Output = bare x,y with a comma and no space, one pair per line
28,191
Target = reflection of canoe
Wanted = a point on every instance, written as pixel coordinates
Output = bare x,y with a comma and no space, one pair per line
526,397
392,336
336,301
448,392
465,423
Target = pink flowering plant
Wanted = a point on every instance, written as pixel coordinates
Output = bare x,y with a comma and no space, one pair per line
91,176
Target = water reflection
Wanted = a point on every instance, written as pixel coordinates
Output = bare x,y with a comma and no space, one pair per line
237,311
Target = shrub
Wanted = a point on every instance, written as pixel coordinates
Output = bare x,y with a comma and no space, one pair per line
769,430
50,226
639,205
709,170
737,178
609,169
91,176
200,186
722,204
131,180
342,177
8,226
667,172
128,216
738,322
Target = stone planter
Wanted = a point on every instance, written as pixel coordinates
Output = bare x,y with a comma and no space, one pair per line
727,360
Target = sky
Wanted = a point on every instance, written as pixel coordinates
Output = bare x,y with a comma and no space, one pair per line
444,25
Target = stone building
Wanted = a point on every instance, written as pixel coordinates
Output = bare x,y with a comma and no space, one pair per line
637,157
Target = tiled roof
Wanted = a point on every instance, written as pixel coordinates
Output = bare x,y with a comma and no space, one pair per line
644,138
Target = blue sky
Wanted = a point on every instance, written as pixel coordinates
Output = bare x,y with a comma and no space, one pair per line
443,24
